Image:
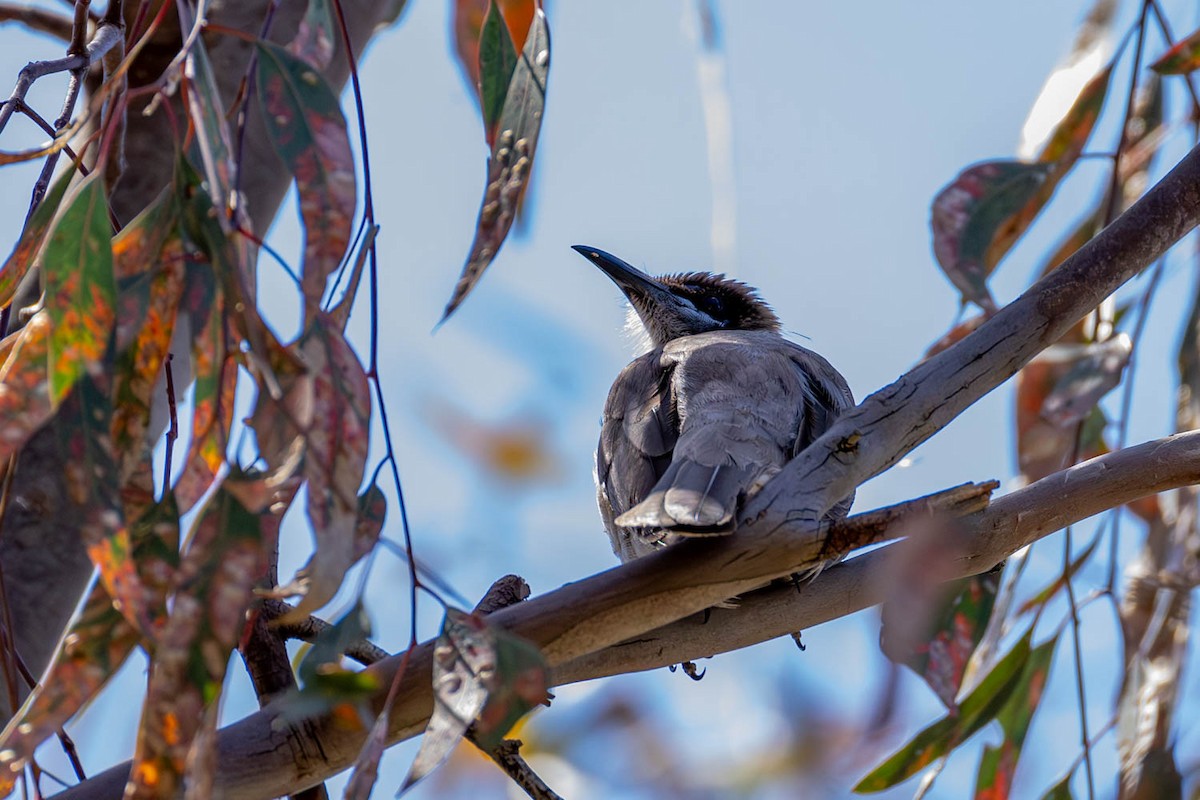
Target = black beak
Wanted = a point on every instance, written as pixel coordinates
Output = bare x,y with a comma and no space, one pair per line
636,284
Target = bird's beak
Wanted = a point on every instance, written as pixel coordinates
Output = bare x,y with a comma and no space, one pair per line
640,288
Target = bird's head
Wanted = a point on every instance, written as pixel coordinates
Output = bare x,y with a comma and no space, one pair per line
672,306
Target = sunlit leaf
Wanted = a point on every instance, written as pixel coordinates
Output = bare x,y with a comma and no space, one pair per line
511,158
226,555
976,710
80,291
940,649
479,673
999,763
307,129
32,239
1181,59
978,217
1091,50
314,39
1073,131
497,60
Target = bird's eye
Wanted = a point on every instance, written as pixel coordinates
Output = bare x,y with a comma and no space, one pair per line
712,306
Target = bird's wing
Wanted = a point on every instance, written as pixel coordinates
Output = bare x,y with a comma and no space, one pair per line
743,400
638,434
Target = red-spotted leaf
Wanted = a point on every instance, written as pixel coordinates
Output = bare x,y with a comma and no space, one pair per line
953,625
307,129
511,158
314,39
469,16
32,239
25,384
98,642
80,291
978,217
481,675
976,710
1094,370
366,765
497,60
226,556
334,462
999,763
1181,59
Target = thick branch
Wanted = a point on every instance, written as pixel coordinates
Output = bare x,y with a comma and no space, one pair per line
259,761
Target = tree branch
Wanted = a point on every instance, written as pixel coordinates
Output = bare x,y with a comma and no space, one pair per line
259,758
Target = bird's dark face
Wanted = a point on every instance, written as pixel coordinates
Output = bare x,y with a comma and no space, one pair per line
684,305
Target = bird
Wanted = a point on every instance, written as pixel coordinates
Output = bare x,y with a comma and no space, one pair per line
712,409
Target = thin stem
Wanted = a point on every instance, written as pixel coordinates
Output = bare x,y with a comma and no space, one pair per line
1080,689
1114,186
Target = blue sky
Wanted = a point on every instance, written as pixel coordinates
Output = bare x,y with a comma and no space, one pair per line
846,121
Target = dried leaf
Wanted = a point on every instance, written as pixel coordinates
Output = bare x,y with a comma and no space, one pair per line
307,129
511,159
978,217
80,291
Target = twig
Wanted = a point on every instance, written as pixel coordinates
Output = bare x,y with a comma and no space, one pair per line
507,756
173,428
37,19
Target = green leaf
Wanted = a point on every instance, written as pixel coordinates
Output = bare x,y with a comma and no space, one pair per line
80,290
497,60
976,710
1055,586
1060,790
998,764
307,129
511,159
32,239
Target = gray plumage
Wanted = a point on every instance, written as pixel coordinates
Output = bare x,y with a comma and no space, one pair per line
712,412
